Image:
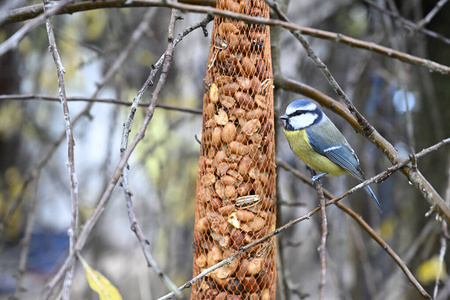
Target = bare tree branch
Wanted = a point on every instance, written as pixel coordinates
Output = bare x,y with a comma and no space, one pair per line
70,157
242,250
364,225
307,216
98,100
102,203
444,236
387,248
378,178
337,37
32,11
431,14
409,24
442,252
323,239
407,165
31,173
14,40
413,175
117,63
126,130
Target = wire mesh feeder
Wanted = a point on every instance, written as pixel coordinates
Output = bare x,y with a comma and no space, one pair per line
235,200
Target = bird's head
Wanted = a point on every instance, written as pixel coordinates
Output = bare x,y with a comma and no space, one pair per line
301,114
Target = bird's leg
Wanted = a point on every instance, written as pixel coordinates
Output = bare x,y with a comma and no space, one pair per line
317,177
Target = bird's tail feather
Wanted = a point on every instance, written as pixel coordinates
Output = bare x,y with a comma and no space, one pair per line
370,192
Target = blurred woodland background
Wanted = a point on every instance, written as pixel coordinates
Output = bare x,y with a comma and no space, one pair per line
405,102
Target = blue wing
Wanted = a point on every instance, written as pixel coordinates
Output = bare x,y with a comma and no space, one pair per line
336,149
332,144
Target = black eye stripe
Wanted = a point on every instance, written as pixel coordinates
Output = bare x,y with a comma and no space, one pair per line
302,112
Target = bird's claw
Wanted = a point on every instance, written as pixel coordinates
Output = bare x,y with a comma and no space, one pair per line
317,177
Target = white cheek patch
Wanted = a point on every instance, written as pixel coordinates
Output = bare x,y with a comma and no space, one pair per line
303,121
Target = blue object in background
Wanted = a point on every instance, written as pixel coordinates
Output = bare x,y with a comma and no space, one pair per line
46,251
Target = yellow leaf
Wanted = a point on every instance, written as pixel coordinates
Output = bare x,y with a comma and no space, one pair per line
430,269
100,283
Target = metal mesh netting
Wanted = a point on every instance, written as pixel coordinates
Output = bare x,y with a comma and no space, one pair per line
235,200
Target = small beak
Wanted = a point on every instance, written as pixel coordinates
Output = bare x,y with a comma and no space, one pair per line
284,117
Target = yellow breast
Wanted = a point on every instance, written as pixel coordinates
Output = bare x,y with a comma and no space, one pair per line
298,141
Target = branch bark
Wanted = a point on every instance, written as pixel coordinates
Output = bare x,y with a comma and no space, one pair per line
322,34
412,174
70,157
14,40
365,226
89,225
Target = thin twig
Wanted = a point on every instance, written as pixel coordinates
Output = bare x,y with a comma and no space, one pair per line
366,127
304,217
124,182
30,174
442,252
413,175
444,235
178,39
14,40
431,14
363,224
145,243
32,11
323,239
409,24
102,203
391,282
126,130
380,177
242,250
307,216
337,37
391,170
397,41
149,81
27,97
387,248
70,157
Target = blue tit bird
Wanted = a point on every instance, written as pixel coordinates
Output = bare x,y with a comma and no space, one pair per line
319,144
